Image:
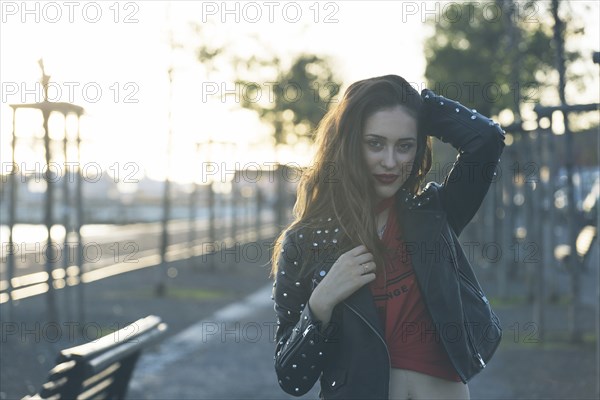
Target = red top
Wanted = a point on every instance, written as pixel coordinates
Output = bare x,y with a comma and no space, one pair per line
410,335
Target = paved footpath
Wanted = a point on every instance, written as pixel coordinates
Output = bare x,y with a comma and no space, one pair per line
230,357
226,356
220,343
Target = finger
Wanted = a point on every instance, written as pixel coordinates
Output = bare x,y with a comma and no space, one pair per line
367,278
364,258
366,267
358,250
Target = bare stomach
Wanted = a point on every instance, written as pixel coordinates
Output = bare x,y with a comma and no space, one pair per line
406,384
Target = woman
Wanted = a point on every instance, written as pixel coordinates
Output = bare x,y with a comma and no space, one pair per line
372,290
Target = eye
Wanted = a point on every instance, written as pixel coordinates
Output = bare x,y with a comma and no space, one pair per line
374,144
406,147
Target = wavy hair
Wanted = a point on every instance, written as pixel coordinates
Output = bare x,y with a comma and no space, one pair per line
338,185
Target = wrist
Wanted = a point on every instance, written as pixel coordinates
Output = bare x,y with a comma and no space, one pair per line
320,309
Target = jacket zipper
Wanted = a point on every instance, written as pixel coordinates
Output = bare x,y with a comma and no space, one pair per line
297,343
485,300
473,287
476,353
382,341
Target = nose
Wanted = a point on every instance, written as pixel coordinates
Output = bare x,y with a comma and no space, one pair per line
389,159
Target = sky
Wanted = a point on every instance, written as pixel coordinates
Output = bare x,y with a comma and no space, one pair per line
112,58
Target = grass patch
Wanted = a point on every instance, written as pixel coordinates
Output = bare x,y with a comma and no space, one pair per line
195,294
563,300
499,302
550,341
176,293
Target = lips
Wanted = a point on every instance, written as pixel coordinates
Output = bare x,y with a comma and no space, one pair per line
386,179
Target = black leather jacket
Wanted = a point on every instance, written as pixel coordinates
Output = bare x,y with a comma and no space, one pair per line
351,356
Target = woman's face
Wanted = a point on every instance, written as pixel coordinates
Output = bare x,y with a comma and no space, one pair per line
389,146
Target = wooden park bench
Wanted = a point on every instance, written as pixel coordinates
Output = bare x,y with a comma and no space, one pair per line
101,369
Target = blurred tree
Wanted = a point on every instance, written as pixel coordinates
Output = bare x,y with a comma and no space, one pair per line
292,100
295,99
206,54
495,55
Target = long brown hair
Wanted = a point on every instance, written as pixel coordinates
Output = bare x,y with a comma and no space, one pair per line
338,184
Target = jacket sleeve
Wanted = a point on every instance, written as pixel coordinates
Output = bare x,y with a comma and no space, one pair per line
479,141
300,342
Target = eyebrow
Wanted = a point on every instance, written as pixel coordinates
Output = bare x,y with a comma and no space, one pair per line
384,138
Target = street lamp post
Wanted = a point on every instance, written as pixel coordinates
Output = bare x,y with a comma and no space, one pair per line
48,215
47,108
166,200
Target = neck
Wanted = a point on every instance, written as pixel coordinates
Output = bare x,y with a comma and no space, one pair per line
381,221
383,204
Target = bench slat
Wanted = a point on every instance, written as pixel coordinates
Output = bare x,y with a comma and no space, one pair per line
111,370
61,369
126,349
54,386
94,390
130,333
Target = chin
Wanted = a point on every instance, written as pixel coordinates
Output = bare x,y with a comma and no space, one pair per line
385,192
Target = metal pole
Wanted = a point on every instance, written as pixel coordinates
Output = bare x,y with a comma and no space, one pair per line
538,242
234,214
529,217
503,227
257,217
553,165
79,224
192,219
10,261
160,288
66,213
247,217
514,38
574,267
164,239
211,223
166,201
514,209
280,196
48,217
48,220
211,219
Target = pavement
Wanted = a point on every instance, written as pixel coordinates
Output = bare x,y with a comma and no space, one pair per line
221,324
